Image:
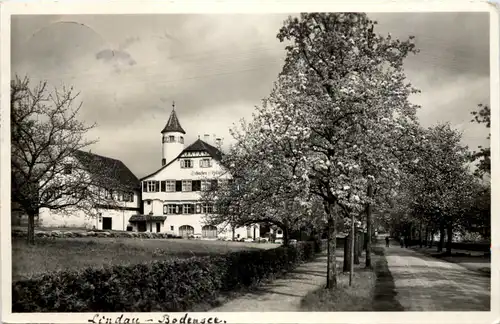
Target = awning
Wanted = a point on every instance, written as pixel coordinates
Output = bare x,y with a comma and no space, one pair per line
147,218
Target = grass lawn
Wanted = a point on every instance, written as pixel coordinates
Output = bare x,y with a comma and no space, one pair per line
49,255
356,298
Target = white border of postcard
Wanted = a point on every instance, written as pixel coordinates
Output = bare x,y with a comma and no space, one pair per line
213,7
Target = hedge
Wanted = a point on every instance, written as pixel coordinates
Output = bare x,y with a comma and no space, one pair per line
167,286
96,233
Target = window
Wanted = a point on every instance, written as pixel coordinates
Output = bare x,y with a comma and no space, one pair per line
67,169
196,185
181,140
165,209
149,202
205,185
131,196
198,208
163,186
163,161
170,185
151,186
171,209
171,139
171,228
213,184
187,209
207,208
108,193
205,163
187,185
186,164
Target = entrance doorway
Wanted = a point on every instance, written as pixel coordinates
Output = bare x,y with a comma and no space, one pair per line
158,226
107,223
186,230
141,226
209,231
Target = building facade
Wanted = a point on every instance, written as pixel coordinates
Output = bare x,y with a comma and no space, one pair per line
117,195
172,195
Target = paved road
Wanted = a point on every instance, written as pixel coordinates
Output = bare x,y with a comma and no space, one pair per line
423,283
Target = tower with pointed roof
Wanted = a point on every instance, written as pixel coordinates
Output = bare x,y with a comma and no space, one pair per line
172,138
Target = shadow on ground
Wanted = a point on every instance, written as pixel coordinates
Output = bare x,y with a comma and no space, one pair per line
384,298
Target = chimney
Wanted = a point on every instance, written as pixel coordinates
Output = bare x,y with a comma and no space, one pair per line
206,138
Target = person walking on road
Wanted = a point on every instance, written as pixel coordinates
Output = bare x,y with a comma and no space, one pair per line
402,241
387,241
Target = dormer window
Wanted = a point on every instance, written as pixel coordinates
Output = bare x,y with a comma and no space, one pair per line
186,163
205,163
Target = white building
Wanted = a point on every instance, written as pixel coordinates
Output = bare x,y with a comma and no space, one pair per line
117,198
171,195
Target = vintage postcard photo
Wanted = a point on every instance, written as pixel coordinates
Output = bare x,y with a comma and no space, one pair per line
192,163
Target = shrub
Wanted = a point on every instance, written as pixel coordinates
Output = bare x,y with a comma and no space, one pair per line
170,285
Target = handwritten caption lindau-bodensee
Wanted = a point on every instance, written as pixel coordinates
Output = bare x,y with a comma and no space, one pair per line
165,319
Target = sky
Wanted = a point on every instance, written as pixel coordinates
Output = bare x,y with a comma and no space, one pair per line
217,68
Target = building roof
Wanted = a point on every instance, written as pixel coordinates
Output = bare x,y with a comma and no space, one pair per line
173,124
201,146
108,172
197,146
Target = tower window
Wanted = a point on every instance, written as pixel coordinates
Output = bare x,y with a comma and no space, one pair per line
181,140
163,161
171,139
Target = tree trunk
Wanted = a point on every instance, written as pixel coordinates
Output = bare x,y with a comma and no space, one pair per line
369,229
449,237
31,228
353,240
331,278
233,229
286,234
441,236
426,242
420,237
356,249
347,253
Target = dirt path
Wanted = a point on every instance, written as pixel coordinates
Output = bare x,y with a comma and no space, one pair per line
282,295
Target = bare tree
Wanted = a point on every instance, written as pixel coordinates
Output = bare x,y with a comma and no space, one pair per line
48,168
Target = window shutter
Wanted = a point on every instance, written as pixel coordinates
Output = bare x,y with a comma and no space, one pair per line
163,186
178,186
196,185
144,186
157,186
